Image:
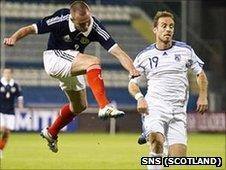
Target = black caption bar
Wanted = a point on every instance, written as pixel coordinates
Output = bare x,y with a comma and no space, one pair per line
167,161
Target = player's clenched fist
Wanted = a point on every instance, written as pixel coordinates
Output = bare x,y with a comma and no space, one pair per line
134,73
9,41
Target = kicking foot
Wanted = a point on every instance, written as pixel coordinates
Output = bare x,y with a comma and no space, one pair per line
109,111
52,143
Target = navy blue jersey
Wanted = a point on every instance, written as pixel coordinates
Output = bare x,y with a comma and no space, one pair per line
64,35
8,93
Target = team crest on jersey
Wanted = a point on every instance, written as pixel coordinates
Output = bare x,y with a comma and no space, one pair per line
189,63
2,89
177,57
84,40
13,89
67,38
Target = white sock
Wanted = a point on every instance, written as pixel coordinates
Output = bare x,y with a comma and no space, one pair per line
165,149
154,167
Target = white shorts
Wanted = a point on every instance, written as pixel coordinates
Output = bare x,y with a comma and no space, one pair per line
171,122
58,63
7,121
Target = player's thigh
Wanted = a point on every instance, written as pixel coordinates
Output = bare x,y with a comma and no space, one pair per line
82,62
2,122
177,137
7,122
178,150
156,137
11,119
78,100
154,126
58,63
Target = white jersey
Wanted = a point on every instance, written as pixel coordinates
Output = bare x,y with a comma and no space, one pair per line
166,72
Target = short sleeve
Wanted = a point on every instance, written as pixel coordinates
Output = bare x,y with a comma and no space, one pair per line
196,63
102,36
51,23
138,65
44,25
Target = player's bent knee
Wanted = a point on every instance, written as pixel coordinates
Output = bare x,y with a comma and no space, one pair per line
5,130
156,140
95,61
79,108
156,137
178,150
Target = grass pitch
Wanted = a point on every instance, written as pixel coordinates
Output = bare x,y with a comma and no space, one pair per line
98,151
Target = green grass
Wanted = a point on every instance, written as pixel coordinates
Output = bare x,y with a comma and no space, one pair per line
97,151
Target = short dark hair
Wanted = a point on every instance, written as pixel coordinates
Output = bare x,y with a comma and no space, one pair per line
79,6
161,14
7,68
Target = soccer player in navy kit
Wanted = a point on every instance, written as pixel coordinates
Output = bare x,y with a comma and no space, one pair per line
71,30
9,92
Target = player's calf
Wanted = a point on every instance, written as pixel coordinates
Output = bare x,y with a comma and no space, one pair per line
156,140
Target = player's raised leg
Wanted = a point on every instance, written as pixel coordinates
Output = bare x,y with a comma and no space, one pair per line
90,65
78,103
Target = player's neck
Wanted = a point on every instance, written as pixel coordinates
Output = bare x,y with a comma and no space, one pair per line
7,79
163,45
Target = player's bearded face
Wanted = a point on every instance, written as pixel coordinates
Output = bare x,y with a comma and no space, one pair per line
81,22
165,29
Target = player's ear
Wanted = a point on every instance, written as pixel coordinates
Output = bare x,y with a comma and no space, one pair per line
154,30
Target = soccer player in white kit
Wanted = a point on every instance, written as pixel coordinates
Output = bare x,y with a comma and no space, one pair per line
165,65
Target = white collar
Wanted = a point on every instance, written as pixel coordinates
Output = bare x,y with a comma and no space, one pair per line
72,26
5,83
90,27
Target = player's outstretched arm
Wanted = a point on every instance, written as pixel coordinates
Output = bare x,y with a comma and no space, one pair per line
21,33
125,60
142,104
202,103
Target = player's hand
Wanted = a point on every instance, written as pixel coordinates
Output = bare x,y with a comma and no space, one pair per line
142,106
134,73
21,107
9,41
202,105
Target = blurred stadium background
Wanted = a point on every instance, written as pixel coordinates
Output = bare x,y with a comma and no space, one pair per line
199,23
